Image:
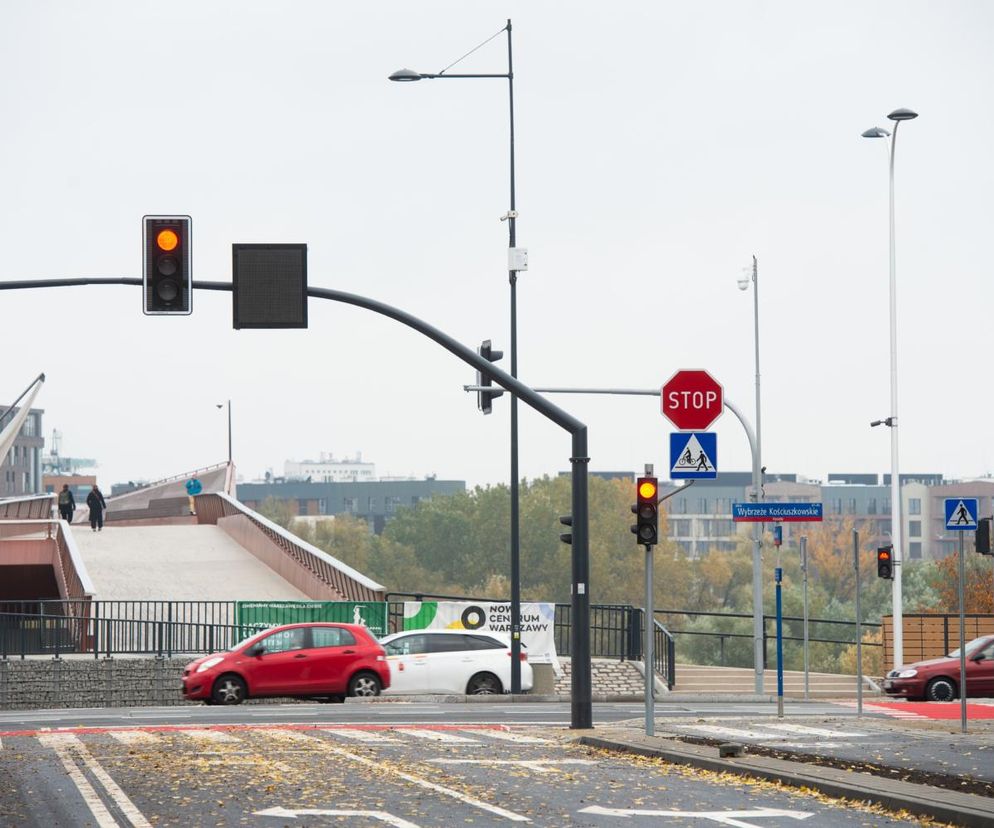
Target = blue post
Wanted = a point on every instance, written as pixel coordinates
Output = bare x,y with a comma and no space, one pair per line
779,578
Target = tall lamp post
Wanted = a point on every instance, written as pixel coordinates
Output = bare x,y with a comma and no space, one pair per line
516,262
896,116
221,405
757,484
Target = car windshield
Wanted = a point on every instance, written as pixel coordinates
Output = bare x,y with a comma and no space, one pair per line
246,641
976,644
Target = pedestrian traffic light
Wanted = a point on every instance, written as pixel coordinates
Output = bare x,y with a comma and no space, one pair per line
984,536
566,520
646,511
885,562
485,399
167,279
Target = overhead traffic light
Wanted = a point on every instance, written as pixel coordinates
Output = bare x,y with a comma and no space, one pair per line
885,562
566,520
485,399
984,536
167,277
646,511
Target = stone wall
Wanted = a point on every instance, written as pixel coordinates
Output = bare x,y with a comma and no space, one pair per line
106,682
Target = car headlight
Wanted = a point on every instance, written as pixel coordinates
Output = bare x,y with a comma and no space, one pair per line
907,674
211,662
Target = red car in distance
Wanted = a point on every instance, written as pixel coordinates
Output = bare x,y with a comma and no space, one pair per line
938,679
300,660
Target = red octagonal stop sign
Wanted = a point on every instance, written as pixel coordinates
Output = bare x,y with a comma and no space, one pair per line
692,400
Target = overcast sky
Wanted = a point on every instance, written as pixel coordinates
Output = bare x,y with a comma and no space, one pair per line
659,146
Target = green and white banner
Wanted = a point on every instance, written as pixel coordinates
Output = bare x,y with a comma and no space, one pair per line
262,615
537,622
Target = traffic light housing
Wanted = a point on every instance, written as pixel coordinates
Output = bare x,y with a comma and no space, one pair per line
885,562
566,537
984,536
485,398
646,511
167,278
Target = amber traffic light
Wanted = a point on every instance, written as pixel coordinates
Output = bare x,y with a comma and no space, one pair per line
646,510
167,274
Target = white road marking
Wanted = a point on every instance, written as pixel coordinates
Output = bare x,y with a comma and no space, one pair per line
440,736
90,797
727,732
134,737
812,731
537,765
722,817
415,780
383,816
210,735
366,736
507,736
65,746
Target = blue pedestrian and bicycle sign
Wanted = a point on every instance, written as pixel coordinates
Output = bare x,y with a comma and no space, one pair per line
694,455
961,513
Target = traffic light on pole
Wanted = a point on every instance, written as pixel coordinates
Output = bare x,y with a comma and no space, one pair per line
885,562
646,511
485,398
167,278
984,536
566,537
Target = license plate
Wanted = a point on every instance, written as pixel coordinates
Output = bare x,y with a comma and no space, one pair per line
888,684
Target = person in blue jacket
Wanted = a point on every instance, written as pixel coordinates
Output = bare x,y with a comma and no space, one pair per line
193,488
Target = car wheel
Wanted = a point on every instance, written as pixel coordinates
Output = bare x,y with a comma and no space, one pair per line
484,684
940,690
229,689
364,684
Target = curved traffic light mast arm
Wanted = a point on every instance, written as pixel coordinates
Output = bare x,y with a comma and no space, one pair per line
582,697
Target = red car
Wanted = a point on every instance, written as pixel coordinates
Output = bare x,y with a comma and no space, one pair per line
300,660
938,679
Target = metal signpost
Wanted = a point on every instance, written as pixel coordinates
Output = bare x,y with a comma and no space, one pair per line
804,573
778,577
961,516
859,628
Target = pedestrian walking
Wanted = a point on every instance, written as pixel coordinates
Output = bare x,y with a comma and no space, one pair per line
67,503
95,500
193,488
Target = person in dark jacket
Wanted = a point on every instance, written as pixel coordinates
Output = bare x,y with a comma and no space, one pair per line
67,503
95,500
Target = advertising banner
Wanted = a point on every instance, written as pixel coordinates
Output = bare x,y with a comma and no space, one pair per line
261,615
537,622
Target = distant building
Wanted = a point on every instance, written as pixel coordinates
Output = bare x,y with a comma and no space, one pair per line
329,470
375,501
20,472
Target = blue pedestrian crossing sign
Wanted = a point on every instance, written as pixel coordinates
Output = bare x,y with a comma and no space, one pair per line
693,455
961,514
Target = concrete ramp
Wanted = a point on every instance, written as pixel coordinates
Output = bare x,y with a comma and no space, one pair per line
176,563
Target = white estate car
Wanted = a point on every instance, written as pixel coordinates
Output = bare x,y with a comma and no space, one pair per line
451,661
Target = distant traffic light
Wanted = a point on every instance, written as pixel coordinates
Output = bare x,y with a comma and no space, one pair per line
167,277
646,511
885,562
485,399
566,520
984,536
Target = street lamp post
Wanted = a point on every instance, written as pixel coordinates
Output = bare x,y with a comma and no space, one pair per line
221,405
514,264
758,633
896,116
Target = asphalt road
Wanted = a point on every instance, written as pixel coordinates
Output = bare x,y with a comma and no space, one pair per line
373,773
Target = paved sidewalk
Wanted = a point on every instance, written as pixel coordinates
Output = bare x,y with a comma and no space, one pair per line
921,766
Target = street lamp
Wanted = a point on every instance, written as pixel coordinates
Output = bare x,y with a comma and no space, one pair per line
757,484
221,405
896,116
516,261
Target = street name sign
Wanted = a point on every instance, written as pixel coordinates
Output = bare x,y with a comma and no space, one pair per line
693,455
692,400
770,512
961,513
